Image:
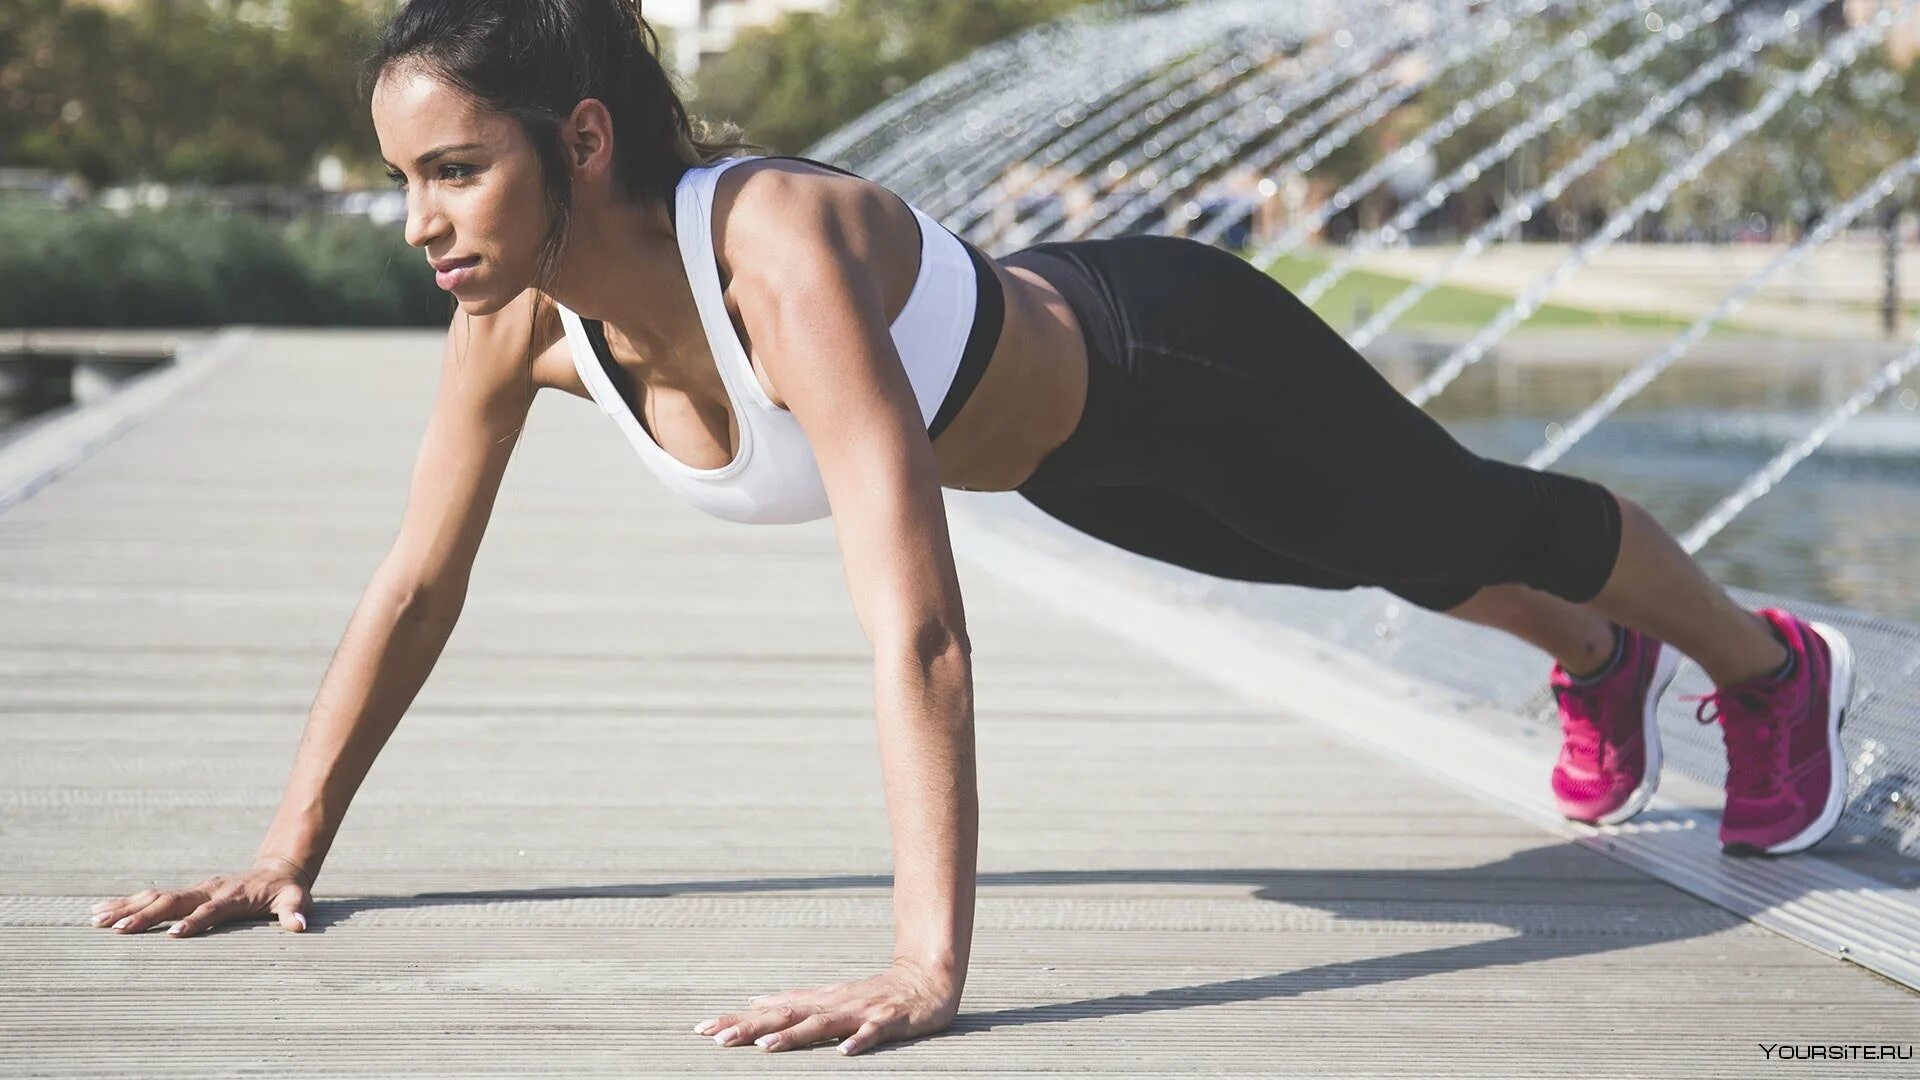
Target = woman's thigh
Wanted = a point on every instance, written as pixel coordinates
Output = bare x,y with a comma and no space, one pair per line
1159,525
1365,484
1257,411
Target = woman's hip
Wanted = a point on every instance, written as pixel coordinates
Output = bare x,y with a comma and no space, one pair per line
1193,354
1176,295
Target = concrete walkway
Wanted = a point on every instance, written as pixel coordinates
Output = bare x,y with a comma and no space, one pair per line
642,785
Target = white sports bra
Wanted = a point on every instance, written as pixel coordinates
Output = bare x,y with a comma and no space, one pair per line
774,479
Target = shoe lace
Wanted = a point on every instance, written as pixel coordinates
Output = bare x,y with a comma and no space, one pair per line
1749,715
1578,705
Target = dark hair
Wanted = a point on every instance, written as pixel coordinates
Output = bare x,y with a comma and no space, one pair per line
535,60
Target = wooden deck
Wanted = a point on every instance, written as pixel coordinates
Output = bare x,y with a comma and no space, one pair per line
642,785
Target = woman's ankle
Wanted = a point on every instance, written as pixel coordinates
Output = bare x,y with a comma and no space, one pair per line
1607,666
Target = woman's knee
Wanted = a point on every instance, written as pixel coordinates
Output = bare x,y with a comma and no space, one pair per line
1440,598
1552,531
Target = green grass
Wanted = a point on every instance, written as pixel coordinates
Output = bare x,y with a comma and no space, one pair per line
1446,307
1908,308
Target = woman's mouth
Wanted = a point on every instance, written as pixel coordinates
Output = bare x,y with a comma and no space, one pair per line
452,274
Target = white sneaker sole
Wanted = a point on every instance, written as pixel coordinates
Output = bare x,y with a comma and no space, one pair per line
1839,696
1664,670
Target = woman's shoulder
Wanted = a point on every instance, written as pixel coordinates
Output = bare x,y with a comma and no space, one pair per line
782,212
796,191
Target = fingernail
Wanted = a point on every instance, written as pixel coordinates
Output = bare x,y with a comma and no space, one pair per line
846,1047
300,920
701,1027
176,928
100,919
766,1040
121,925
726,1036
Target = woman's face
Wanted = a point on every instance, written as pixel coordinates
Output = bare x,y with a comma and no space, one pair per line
474,198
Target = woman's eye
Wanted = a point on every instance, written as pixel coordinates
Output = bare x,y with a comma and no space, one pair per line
447,172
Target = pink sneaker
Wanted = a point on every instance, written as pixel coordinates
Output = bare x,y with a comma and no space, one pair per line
1785,765
1609,760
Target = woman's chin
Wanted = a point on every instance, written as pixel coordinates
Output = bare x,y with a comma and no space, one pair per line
480,302
485,296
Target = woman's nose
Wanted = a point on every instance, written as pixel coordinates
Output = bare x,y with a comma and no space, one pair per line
423,223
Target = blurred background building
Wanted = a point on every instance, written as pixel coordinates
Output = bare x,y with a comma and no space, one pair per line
704,29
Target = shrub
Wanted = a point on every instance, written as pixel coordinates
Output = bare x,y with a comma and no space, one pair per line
197,267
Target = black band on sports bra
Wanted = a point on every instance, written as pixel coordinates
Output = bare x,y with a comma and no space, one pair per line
810,161
622,379
989,313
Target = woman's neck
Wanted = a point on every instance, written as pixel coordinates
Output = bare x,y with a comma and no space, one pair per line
622,266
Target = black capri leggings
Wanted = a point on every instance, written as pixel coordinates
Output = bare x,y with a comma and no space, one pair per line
1231,431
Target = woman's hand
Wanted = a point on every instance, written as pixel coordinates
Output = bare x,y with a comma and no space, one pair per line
907,1000
274,886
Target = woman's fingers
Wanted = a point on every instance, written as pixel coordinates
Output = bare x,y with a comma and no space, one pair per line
907,1000
736,1028
821,1025
224,898
128,915
290,905
870,1033
784,1027
162,907
108,912
211,913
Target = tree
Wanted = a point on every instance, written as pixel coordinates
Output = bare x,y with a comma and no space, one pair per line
202,90
792,82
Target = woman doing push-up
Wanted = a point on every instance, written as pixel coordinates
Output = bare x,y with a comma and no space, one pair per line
781,340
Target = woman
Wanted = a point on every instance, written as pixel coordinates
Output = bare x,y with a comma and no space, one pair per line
781,340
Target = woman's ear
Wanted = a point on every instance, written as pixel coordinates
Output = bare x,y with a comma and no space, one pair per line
587,135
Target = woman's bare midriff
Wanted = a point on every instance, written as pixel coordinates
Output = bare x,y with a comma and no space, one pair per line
1030,397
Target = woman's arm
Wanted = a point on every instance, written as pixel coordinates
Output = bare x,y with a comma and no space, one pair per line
393,638
409,609
818,320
